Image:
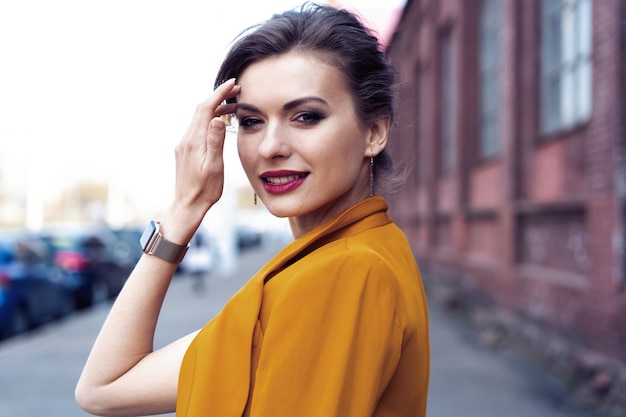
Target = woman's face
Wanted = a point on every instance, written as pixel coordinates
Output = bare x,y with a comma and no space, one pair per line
300,141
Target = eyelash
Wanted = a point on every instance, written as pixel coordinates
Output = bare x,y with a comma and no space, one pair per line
307,118
249,122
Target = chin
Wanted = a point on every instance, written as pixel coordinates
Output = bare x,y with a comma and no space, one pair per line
280,212
284,209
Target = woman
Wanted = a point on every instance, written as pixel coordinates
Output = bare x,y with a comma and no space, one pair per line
336,324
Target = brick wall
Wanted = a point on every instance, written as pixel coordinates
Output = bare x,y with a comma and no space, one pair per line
539,229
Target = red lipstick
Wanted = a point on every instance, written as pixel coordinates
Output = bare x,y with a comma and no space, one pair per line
283,181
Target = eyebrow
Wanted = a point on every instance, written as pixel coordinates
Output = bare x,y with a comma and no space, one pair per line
287,106
303,100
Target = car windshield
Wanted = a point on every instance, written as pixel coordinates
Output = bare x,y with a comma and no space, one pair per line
63,243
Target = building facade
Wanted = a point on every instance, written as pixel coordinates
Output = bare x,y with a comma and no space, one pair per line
511,122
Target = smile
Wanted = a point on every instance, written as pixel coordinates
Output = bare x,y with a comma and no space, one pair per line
282,182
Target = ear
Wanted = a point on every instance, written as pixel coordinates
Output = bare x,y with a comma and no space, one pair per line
377,136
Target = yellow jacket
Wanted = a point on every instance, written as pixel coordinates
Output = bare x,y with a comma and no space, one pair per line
336,324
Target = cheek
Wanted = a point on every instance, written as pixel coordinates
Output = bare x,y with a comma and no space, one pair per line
246,154
339,160
349,147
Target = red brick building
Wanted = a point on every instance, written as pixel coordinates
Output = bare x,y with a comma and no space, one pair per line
512,122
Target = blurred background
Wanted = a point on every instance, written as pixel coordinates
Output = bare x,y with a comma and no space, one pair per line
510,135
93,99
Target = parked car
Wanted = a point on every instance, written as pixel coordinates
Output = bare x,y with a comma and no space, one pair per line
88,255
202,257
127,249
32,290
247,237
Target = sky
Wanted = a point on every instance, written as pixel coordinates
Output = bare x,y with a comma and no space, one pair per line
102,91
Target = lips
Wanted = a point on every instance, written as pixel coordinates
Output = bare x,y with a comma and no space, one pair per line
280,182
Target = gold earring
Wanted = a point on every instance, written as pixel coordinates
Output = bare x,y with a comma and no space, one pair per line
371,176
255,202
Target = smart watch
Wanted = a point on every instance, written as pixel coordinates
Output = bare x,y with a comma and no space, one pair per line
153,243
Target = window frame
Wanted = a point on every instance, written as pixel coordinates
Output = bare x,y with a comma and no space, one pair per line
566,67
448,100
489,78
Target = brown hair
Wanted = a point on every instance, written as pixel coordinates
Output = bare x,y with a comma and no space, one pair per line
336,35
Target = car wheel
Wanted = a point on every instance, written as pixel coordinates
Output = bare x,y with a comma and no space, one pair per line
99,292
67,306
20,322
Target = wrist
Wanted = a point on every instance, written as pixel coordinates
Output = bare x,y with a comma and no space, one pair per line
179,225
154,243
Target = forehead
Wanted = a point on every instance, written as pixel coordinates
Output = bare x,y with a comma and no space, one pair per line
291,75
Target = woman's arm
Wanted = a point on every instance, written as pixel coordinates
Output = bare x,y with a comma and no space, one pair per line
123,375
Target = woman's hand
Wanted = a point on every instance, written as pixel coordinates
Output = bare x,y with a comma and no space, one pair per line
199,155
200,162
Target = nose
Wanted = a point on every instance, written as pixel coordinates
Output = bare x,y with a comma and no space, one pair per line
275,141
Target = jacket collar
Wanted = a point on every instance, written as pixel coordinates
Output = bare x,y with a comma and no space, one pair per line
364,215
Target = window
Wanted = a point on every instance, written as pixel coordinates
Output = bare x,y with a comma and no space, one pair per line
565,63
419,158
448,91
489,73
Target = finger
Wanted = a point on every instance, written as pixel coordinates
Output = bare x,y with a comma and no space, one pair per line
228,108
216,134
233,92
223,109
208,109
223,92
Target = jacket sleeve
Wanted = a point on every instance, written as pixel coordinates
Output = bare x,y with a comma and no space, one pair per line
332,339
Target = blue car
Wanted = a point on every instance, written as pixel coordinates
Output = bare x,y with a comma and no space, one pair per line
90,257
32,290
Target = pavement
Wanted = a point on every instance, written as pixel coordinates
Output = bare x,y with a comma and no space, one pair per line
38,371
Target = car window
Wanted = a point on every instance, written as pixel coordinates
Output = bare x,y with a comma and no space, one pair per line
6,256
28,253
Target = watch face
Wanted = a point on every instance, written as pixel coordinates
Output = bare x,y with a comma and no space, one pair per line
147,235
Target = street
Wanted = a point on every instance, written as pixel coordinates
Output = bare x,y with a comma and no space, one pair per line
38,371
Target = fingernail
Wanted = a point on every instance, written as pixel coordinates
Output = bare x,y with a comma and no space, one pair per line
217,125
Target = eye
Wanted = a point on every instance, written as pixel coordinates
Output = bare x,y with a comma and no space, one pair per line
249,122
308,118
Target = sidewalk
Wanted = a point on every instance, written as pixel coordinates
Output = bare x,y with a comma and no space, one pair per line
470,381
